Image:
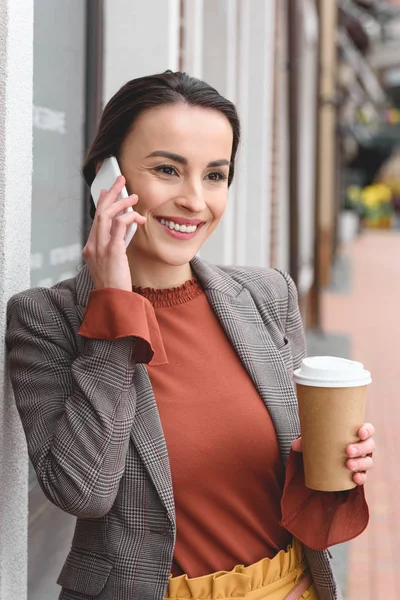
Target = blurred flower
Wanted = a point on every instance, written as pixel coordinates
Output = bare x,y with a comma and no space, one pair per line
376,194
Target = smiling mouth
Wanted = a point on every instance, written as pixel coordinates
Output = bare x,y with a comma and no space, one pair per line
183,227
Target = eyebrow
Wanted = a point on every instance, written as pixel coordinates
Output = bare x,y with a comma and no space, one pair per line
222,162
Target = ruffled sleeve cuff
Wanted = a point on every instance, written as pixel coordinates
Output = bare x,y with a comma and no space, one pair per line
112,314
320,519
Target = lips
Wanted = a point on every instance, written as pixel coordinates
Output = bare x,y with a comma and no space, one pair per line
184,230
181,220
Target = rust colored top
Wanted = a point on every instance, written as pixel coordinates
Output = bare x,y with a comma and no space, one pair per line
235,501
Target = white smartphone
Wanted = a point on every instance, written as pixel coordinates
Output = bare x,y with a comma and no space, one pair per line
105,178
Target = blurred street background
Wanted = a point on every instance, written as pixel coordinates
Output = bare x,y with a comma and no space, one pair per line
316,191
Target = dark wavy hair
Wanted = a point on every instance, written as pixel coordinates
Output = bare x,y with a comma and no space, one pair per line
144,93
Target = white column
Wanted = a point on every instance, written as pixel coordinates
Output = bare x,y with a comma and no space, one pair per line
193,37
283,141
141,38
255,104
243,92
307,141
16,66
232,17
220,32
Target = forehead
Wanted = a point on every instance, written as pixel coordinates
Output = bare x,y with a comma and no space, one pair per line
183,129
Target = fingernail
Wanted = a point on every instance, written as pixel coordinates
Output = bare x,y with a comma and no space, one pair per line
353,451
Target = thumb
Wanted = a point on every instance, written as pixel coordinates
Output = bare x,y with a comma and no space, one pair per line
297,445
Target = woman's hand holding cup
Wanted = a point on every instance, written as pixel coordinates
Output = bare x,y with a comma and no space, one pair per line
360,453
105,250
331,394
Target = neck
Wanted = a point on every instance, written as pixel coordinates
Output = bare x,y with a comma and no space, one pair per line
146,273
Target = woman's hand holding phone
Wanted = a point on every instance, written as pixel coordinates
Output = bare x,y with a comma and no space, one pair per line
105,250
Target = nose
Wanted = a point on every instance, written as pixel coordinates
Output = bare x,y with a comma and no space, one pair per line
192,198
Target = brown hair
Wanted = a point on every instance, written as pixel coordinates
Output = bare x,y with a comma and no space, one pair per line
144,93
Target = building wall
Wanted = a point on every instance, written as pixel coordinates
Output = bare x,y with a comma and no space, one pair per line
274,208
256,158
282,209
230,43
220,40
238,59
308,65
141,38
327,137
16,60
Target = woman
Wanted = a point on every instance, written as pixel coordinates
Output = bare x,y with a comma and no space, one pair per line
155,389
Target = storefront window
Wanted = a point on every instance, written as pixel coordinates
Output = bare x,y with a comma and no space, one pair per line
58,142
57,223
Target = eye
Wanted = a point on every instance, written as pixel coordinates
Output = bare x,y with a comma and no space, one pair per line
166,170
217,176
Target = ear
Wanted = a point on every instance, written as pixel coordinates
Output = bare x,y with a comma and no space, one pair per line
97,166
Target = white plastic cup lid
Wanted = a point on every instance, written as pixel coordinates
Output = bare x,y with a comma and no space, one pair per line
331,371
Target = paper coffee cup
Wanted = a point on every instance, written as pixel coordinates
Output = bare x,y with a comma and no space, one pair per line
331,395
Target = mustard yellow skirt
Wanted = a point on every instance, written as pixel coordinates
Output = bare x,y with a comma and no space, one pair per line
285,576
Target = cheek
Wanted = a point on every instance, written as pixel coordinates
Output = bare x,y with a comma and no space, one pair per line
218,206
152,194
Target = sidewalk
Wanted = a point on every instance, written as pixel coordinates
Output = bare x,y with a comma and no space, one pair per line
370,315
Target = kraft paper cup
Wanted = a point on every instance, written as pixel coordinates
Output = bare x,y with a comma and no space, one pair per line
331,395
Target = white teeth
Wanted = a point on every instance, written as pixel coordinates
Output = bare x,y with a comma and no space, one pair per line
177,227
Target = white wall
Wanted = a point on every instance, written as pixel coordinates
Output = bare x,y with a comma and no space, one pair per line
16,65
238,59
141,38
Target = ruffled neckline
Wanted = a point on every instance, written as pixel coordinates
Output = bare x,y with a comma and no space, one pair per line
161,298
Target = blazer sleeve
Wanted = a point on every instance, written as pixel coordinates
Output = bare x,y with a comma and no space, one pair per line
77,409
294,329
317,519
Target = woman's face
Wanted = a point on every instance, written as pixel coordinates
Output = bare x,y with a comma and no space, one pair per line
176,159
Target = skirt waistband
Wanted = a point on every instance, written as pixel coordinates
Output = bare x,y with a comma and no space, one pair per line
241,580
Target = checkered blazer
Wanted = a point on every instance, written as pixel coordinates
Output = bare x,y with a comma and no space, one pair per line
94,433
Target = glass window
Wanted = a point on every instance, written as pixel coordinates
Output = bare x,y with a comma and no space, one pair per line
57,224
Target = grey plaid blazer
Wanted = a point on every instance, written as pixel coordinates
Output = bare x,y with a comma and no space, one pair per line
94,433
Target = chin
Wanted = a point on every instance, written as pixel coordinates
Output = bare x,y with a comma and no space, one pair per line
178,260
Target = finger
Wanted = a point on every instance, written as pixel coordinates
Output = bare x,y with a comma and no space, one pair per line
120,206
297,445
112,194
104,219
366,431
121,224
361,448
360,478
360,464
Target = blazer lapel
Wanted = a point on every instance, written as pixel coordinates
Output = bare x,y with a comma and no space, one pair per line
248,334
146,434
148,438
